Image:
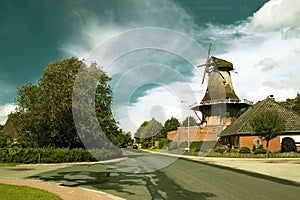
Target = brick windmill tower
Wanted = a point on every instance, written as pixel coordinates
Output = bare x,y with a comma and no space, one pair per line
220,104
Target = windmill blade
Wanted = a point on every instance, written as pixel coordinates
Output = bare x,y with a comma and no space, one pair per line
202,65
204,74
208,54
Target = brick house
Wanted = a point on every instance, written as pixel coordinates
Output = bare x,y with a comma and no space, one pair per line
240,133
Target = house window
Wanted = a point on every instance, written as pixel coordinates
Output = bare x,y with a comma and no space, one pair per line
236,141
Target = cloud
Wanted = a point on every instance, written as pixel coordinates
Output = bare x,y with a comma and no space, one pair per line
267,64
279,15
5,110
97,27
264,50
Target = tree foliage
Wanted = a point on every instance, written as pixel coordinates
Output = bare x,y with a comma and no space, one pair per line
192,122
292,104
171,124
45,113
148,132
267,124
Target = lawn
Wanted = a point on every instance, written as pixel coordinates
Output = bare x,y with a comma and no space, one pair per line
12,192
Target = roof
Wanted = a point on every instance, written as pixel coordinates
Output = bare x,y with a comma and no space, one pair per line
222,64
9,128
242,126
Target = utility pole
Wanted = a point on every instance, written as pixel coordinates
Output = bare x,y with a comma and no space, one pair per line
188,117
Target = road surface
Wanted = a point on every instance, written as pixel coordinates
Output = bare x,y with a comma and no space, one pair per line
182,179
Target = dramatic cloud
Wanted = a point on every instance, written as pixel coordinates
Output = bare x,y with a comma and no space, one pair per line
264,50
279,15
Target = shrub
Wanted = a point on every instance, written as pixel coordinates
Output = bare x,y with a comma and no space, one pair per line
260,151
288,145
5,140
172,145
183,145
219,149
164,142
53,155
196,146
244,150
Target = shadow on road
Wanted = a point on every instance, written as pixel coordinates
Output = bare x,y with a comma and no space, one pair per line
129,186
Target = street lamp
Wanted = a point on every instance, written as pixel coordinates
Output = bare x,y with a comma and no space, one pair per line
188,147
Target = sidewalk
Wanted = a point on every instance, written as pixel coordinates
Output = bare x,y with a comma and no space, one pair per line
66,193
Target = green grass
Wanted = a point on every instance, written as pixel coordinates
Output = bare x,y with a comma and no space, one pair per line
13,192
7,164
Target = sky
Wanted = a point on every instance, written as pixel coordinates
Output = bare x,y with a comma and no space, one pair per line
151,48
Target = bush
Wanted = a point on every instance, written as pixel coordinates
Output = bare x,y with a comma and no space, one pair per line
183,145
5,140
55,155
288,145
196,146
172,145
219,149
244,150
164,142
260,151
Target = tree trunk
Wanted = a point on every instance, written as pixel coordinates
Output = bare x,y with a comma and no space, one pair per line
267,148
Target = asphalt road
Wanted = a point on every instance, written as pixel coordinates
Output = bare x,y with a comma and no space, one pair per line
182,179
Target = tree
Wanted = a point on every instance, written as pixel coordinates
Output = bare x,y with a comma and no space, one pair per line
147,132
45,114
192,122
171,124
292,104
267,124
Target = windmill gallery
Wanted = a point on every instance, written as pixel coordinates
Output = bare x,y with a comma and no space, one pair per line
221,119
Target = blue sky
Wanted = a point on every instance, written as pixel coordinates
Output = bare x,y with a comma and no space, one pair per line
258,36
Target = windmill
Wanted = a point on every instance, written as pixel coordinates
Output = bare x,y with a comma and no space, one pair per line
213,64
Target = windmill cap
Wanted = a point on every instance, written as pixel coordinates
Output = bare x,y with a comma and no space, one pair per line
222,64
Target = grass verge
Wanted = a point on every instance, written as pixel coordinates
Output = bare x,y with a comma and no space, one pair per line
13,192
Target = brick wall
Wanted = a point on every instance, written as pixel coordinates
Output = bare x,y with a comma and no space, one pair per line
274,144
197,133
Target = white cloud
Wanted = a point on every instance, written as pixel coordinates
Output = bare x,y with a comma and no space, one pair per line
5,110
267,64
277,14
162,103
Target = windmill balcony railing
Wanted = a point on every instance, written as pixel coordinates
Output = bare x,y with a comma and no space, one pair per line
226,101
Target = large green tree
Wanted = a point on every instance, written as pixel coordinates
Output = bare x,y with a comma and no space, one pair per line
267,124
45,114
192,121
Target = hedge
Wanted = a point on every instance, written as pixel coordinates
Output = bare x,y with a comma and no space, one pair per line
54,155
